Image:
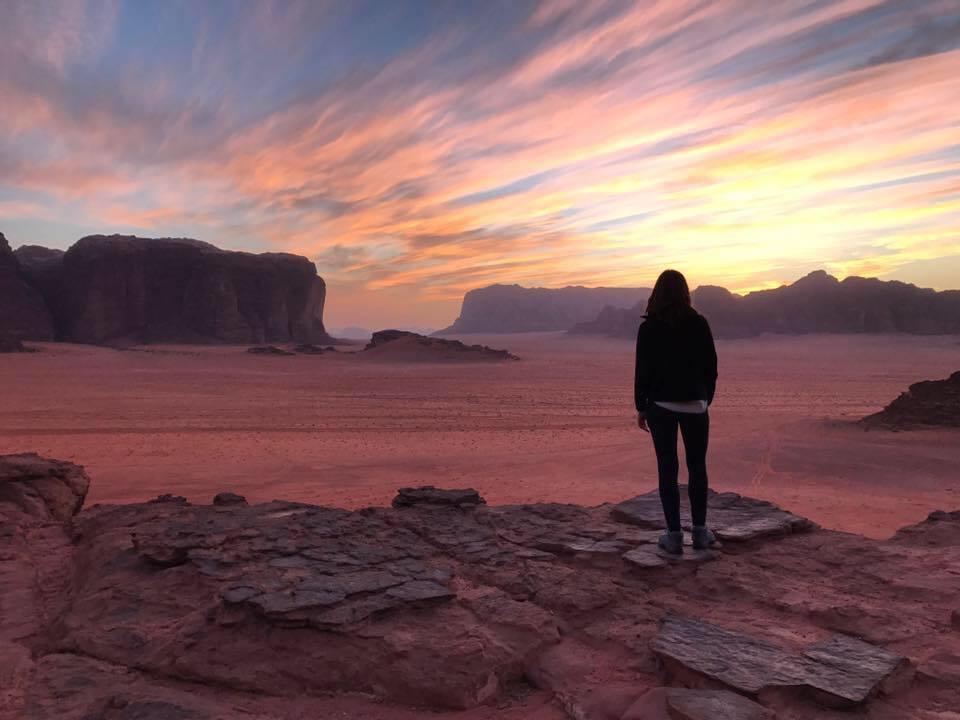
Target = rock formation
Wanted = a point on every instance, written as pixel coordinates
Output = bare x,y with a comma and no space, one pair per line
279,610
511,308
930,403
817,303
123,289
24,314
404,346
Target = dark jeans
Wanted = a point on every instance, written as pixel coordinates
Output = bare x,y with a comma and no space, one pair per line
695,428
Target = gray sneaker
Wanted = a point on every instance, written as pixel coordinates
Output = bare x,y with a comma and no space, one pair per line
671,542
703,537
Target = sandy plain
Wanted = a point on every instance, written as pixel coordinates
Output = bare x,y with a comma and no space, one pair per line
558,425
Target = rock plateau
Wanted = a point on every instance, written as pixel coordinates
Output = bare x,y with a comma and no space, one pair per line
443,604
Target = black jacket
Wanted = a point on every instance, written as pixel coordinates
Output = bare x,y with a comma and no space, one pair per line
676,360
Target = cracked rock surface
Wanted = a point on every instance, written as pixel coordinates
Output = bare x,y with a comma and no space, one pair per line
445,607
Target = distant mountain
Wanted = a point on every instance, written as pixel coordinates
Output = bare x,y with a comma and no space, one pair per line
512,308
816,303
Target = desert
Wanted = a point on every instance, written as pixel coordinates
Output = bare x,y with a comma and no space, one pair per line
528,360
557,424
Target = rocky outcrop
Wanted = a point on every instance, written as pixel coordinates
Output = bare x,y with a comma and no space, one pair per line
175,610
24,314
930,403
41,488
817,303
512,308
404,346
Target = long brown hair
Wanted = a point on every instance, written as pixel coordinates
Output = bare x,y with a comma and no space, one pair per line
670,297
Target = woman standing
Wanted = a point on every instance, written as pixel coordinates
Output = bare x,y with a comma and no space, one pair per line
675,379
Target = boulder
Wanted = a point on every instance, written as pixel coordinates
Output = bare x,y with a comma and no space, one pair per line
45,489
228,499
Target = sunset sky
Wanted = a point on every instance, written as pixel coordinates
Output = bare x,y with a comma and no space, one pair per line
415,150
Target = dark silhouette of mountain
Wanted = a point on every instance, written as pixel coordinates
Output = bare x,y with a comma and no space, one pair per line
108,289
816,303
512,308
24,314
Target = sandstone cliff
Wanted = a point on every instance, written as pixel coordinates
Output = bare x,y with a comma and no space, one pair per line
817,303
24,314
511,308
107,289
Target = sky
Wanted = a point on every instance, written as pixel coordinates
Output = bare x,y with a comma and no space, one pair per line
415,150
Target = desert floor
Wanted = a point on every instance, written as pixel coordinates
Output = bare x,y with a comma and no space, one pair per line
556,426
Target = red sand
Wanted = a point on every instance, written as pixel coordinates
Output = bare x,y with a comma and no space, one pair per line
557,426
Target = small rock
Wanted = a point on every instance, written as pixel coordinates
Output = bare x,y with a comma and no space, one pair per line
229,498
168,498
683,704
645,558
284,602
268,350
238,594
420,591
429,495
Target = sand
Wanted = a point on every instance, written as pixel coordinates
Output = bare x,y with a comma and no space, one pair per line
558,425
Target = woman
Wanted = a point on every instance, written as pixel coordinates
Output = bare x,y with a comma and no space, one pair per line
676,376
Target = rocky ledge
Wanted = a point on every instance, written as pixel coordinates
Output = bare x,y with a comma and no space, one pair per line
444,605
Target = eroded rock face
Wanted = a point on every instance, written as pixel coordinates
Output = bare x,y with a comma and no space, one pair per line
123,288
439,605
42,488
24,314
930,403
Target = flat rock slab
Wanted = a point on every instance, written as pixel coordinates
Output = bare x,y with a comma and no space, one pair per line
684,704
731,516
429,495
840,671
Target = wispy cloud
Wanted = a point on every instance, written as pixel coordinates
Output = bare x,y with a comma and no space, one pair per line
418,151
